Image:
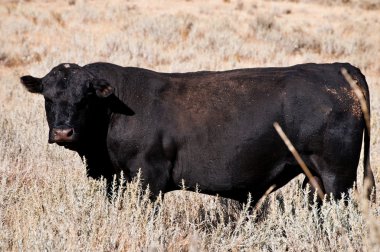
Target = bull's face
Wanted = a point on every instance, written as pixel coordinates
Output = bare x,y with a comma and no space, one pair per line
68,90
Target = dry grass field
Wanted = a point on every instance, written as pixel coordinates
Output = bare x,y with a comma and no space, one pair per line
48,204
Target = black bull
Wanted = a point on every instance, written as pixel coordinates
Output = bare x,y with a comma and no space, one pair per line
214,130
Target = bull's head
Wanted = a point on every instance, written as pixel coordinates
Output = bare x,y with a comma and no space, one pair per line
69,90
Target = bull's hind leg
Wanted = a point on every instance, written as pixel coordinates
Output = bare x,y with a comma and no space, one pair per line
336,160
336,176
337,183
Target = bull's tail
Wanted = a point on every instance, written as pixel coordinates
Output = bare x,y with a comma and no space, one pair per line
369,179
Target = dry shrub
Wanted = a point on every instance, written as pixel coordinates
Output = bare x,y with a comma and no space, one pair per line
75,214
364,4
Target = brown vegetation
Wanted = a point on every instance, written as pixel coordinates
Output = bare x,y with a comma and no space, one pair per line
48,203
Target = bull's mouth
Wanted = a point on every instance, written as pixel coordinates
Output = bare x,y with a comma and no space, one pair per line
68,145
63,142
71,144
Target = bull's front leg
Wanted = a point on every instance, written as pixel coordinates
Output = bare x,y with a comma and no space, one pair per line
99,166
155,172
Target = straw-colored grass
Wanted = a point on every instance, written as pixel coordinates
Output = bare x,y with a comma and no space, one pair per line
48,203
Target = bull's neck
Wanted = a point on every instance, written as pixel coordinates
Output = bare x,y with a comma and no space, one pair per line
94,143
94,137
131,84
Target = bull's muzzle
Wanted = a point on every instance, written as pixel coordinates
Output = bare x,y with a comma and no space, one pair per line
62,135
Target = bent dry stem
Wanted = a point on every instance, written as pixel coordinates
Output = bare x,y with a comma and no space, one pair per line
299,160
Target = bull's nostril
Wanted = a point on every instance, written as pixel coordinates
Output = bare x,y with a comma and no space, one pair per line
70,132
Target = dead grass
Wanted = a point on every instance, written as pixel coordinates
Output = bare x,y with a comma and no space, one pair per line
46,201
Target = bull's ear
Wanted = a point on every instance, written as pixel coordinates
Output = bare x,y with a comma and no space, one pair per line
102,88
32,84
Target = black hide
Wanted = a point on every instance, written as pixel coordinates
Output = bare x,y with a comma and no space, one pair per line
212,129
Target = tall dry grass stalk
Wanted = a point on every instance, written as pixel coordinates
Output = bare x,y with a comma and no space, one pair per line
299,160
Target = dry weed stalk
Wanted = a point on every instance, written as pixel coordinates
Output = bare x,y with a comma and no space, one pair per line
299,160
261,201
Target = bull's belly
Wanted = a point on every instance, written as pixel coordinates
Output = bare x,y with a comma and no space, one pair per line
229,170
